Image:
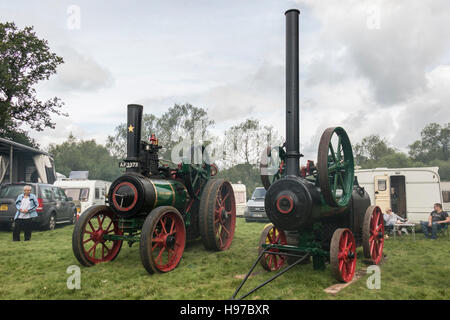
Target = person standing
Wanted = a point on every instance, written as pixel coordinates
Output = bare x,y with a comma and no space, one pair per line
436,222
26,204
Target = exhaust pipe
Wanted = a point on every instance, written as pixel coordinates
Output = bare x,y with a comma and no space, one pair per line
134,125
292,94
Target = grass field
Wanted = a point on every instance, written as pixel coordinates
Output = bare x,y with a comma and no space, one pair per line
37,270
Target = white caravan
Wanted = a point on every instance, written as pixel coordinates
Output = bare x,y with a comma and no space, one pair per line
410,192
85,192
240,195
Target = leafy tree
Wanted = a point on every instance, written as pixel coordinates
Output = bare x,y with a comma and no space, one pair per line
433,145
19,136
431,150
73,155
117,144
171,128
242,173
370,150
444,168
244,141
247,140
24,61
178,123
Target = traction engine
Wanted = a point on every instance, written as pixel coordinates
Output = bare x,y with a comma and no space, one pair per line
318,212
160,205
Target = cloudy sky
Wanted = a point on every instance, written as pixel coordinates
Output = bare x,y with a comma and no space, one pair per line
370,66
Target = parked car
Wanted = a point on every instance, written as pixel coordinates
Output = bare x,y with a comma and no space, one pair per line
255,210
54,206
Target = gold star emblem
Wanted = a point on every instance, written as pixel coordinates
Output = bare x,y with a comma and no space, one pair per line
130,128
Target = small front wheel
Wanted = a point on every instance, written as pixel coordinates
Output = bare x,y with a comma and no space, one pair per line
163,238
88,239
343,255
272,235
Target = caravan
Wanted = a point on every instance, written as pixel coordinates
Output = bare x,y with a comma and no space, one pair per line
410,192
84,192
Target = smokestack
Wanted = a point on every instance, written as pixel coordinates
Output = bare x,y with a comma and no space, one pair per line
292,94
134,125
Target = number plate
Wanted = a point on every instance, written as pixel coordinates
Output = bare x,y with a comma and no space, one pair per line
257,215
4,207
128,164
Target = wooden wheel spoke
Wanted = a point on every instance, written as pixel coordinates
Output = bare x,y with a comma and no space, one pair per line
269,236
87,240
275,258
335,183
92,227
159,257
109,225
339,148
341,264
172,227
99,222
163,225
226,230
333,154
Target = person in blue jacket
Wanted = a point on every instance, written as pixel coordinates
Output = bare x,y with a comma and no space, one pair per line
26,205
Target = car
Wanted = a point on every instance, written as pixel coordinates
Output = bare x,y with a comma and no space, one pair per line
54,206
255,211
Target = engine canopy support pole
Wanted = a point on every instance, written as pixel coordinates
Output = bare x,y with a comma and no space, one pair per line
292,93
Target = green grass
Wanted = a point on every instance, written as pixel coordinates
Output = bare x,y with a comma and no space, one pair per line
37,270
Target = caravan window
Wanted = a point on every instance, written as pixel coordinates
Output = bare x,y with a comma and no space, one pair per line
84,195
77,193
97,193
381,185
446,196
73,193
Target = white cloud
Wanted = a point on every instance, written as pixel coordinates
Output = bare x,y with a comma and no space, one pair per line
80,72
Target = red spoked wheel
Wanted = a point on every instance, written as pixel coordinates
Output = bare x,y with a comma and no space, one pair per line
272,235
343,255
217,215
88,239
373,234
163,239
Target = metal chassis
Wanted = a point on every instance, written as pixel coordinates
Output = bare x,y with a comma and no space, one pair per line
131,228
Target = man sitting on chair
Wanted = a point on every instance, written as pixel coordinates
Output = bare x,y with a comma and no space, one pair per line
436,222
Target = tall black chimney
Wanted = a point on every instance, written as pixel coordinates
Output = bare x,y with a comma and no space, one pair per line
134,125
292,94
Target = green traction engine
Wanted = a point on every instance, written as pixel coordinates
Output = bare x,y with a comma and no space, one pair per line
319,213
160,205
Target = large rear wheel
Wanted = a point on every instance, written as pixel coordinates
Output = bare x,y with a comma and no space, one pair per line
217,215
373,234
88,243
335,167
